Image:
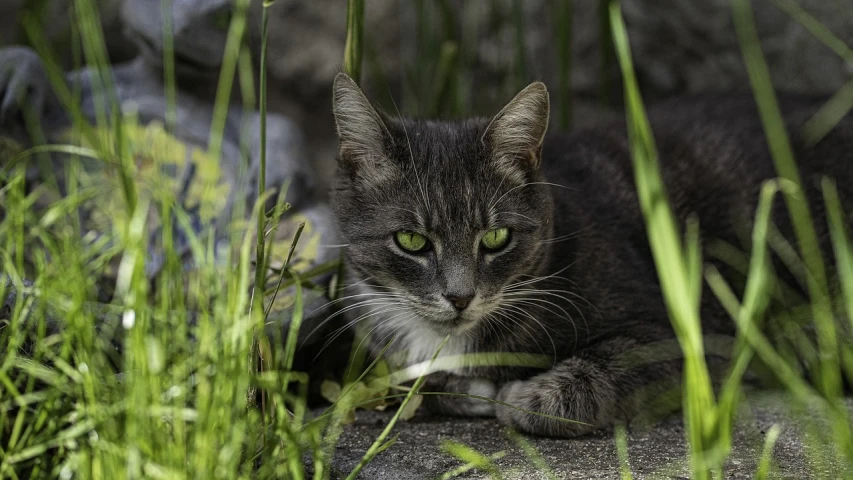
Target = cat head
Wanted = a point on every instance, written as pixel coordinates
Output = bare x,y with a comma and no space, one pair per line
442,218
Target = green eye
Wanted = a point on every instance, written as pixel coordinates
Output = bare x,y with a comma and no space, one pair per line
411,241
495,239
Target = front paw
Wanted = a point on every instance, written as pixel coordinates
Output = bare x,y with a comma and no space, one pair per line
512,394
480,387
536,411
464,405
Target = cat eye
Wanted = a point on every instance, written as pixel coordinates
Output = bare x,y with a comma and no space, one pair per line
411,242
495,239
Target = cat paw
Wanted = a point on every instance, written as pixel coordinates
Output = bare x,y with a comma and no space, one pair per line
460,405
480,387
527,398
512,394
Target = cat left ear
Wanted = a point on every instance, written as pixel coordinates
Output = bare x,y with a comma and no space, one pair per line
361,131
518,130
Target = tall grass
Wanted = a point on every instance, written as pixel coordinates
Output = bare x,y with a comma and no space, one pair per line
678,261
179,408
827,372
708,420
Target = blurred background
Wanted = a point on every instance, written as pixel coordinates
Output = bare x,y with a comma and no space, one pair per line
454,57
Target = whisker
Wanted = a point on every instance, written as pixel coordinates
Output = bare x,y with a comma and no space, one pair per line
516,214
492,200
531,295
414,165
546,305
340,331
507,312
544,277
529,184
364,303
535,320
563,238
380,324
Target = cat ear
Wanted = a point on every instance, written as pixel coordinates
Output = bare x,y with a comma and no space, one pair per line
361,131
519,129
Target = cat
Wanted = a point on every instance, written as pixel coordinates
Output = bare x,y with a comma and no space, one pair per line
507,238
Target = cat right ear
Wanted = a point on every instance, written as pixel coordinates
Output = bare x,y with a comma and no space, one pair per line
517,131
361,131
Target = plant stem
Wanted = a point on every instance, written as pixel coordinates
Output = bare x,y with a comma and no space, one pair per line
355,36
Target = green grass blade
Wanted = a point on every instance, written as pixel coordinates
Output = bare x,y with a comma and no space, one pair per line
520,45
457,472
801,218
766,459
236,31
472,457
622,452
562,11
835,109
380,440
816,28
756,299
840,243
670,261
169,66
260,271
355,38
532,454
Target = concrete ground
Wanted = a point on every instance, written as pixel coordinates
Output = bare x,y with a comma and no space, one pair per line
658,451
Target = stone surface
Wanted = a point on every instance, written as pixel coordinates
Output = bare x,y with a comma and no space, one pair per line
654,452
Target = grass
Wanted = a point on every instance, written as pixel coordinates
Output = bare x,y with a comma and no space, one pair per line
202,391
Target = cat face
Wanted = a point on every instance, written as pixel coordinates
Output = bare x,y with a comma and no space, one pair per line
441,218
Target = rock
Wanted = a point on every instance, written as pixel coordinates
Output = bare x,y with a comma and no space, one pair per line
54,18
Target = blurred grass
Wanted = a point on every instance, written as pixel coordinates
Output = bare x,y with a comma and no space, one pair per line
708,421
826,373
68,411
562,11
678,262
355,39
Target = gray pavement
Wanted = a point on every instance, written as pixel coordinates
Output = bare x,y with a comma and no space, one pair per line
657,451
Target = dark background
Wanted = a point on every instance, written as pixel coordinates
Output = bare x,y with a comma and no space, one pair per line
679,46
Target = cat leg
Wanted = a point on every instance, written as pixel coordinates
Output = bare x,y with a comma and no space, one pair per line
614,380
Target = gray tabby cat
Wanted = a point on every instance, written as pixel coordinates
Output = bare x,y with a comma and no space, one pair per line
511,241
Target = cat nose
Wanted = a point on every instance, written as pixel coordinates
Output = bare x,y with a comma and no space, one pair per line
460,302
